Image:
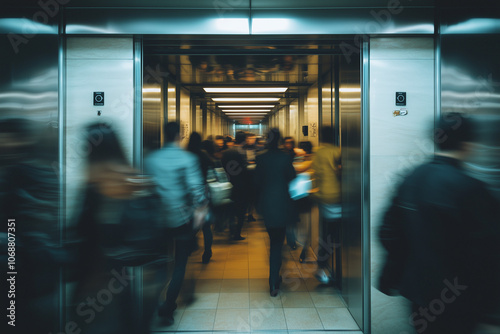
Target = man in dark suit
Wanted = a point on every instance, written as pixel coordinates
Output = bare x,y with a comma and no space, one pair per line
273,173
442,237
235,164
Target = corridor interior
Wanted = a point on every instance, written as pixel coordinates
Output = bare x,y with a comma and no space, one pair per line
231,292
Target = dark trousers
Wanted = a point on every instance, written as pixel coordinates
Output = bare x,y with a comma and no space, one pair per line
207,236
237,217
330,245
183,237
277,236
290,235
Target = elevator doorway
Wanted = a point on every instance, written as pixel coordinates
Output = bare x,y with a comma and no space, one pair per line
211,86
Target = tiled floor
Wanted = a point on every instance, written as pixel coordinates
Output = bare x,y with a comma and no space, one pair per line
231,293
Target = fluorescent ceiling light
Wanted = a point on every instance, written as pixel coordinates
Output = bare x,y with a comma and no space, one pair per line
243,113
271,25
246,90
249,106
254,117
245,99
151,90
232,25
246,110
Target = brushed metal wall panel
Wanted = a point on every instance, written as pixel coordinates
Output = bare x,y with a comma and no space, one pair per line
358,21
350,125
470,84
156,22
336,4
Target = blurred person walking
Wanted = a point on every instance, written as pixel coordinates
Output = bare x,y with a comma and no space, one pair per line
29,206
112,188
195,147
327,165
251,152
442,235
235,165
273,173
181,186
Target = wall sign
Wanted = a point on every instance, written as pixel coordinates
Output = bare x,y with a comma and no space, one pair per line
400,98
98,98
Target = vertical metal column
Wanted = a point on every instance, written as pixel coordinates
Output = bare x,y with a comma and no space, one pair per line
437,74
365,182
137,272
61,156
137,142
336,96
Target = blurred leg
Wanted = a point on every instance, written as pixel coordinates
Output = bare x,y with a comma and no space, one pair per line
182,250
277,237
208,240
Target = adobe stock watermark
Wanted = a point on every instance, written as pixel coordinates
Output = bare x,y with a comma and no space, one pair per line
425,315
89,308
223,6
48,9
483,89
262,310
381,19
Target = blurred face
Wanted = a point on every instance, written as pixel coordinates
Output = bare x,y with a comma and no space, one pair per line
230,144
289,144
250,140
219,142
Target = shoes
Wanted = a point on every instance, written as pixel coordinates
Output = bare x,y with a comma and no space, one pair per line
238,238
293,246
167,320
322,277
275,288
302,257
206,257
166,314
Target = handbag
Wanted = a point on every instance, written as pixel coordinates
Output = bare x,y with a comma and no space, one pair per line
142,231
219,186
300,187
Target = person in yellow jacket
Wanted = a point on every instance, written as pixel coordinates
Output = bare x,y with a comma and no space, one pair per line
327,166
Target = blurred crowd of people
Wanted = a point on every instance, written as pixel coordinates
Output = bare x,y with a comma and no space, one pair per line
129,218
441,232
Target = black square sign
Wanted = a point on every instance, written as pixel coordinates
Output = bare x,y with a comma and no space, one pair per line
400,98
98,98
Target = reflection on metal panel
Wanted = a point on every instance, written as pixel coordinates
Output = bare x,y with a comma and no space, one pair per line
29,106
344,21
336,3
350,124
479,19
153,116
23,25
470,84
147,21
29,79
358,21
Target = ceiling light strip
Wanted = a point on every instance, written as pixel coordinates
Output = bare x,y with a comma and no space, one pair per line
246,110
246,90
248,106
245,99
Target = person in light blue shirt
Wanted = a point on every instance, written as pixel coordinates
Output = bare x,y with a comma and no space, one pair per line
178,176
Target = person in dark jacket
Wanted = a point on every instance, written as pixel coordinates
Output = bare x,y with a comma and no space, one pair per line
195,146
235,165
273,173
442,237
